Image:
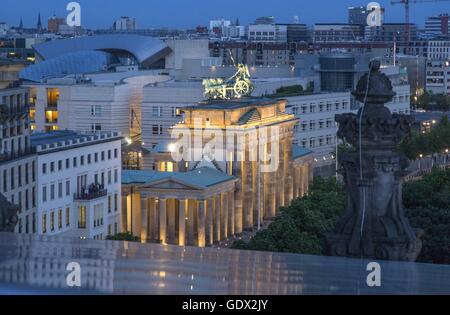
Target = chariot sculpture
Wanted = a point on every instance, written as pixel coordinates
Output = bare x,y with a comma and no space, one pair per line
237,86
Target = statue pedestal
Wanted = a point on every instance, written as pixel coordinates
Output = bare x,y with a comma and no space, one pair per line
374,224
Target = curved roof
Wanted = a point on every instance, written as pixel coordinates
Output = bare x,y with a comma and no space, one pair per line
141,47
73,63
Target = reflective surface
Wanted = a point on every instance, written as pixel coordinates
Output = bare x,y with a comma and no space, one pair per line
37,265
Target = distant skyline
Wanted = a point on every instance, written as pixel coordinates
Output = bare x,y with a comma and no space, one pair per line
182,14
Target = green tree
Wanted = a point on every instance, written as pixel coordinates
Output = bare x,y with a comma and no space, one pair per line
300,227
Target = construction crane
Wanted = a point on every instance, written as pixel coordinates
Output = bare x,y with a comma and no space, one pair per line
406,3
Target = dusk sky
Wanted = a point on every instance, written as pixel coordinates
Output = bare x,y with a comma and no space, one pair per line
190,13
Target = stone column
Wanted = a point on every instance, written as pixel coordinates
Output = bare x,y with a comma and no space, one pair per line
171,218
209,229
182,222
129,210
217,213
190,222
248,193
124,213
231,213
163,221
144,219
201,223
136,224
154,220
224,216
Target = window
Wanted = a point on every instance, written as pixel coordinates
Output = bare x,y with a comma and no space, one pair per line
116,176
116,202
157,129
60,219
59,165
44,223
82,217
109,154
67,187
60,190
103,155
44,193
96,110
82,160
75,162
116,153
44,168
96,157
109,177
89,158
96,127
52,191
67,216
67,163
109,204
157,111
52,221
52,167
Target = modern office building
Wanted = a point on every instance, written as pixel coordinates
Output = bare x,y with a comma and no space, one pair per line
438,26
196,201
439,50
78,180
390,32
267,33
125,23
18,169
438,77
94,103
337,32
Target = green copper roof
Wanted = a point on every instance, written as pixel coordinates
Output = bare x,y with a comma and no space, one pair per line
203,177
298,152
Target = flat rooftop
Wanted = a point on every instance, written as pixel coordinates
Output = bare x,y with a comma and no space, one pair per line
109,267
233,104
66,139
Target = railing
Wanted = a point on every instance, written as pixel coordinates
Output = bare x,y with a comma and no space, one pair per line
91,195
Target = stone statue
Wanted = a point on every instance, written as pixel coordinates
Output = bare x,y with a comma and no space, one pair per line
374,225
8,215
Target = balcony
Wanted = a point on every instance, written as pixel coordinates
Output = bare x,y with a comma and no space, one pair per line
94,191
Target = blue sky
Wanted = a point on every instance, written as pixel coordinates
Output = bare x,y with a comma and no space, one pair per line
190,13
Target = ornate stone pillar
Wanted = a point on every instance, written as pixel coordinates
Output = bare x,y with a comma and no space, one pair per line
217,214
201,223
171,218
144,219
124,213
190,222
224,216
231,213
209,229
154,220
182,222
163,221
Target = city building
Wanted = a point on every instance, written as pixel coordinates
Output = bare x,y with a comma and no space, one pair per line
437,26
18,169
199,202
390,32
125,23
337,32
439,50
78,179
438,76
358,15
54,24
267,33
